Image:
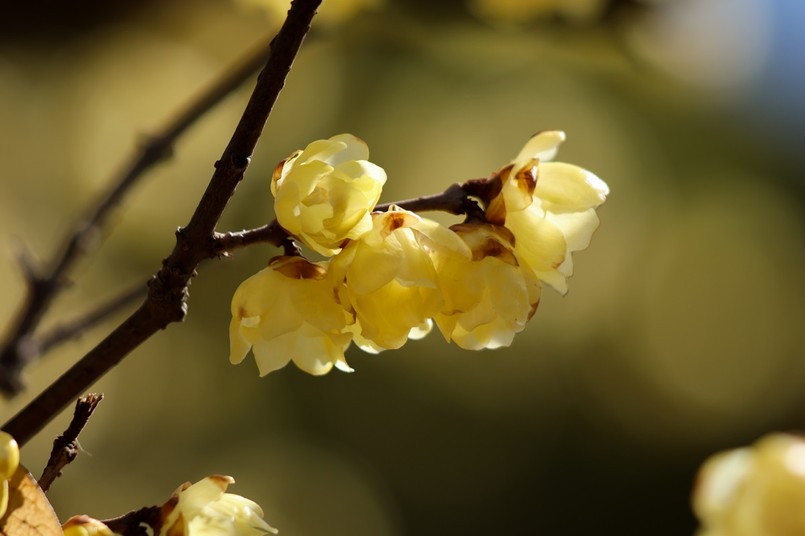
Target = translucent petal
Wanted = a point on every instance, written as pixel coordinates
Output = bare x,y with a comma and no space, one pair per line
577,227
238,345
314,352
272,355
283,317
417,266
568,188
538,241
354,148
421,331
342,365
542,146
322,150
371,268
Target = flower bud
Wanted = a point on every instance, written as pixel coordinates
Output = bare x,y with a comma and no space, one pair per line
289,311
390,279
9,455
204,509
489,296
559,216
9,461
759,490
324,194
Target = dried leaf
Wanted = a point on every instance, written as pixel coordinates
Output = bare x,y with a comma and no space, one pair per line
29,512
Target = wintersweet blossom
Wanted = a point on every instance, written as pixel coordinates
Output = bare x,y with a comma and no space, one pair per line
9,461
488,296
757,490
289,311
205,509
549,206
325,193
390,279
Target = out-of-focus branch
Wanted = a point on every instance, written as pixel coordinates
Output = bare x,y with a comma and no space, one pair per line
74,328
20,346
65,447
168,289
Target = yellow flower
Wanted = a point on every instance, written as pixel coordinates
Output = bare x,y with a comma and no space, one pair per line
390,280
289,311
9,461
324,194
204,509
550,208
489,296
85,526
759,490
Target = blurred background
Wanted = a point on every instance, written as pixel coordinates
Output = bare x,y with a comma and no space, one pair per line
682,333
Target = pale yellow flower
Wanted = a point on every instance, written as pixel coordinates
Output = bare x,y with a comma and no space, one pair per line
558,219
324,195
390,279
289,311
753,491
9,461
488,296
85,526
205,509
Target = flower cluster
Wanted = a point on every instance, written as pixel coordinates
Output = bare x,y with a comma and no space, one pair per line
754,490
390,275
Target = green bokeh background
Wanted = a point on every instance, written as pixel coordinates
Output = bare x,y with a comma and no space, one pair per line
682,333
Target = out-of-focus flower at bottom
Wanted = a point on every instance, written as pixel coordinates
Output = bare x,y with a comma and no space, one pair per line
205,509
9,460
754,491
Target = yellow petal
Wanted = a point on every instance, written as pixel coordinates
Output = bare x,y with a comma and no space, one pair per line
238,345
542,146
568,188
273,354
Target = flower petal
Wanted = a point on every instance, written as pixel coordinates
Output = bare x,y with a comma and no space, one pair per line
567,188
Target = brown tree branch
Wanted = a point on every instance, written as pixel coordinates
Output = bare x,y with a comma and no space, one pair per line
19,347
456,199
168,289
65,446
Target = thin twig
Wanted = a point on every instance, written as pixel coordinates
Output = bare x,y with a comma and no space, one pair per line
168,289
18,348
65,446
454,200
